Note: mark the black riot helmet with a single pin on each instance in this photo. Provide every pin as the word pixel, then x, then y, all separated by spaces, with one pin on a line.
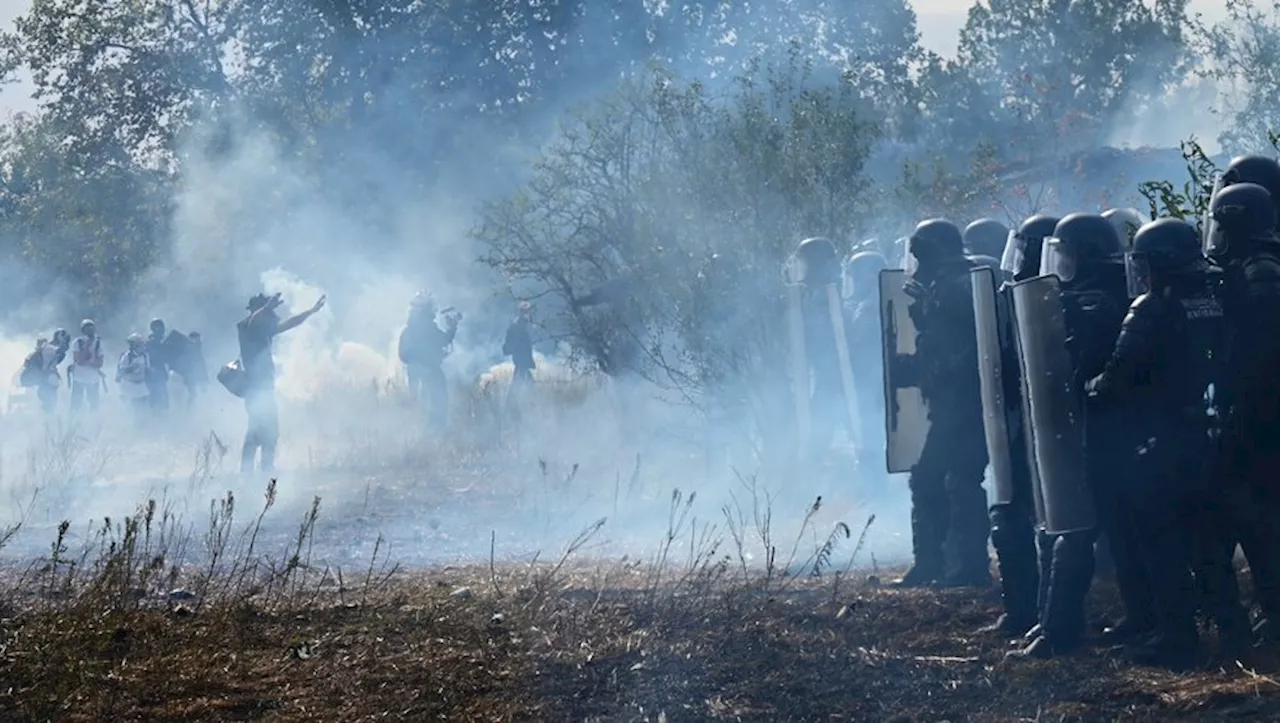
pixel 933 242
pixel 861 273
pixel 1239 214
pixel 1079 241
pixel 985 237
pixel 1126 222
pixel 1254 169
pixel 816 262
pixel 1021 256
pixel 1163 248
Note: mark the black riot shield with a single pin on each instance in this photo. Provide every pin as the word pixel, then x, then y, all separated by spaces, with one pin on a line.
pixel 991 376
pixel 906 413
pixel 1055 411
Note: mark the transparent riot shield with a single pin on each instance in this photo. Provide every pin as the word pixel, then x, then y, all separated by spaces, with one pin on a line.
pixel 835 305
pixel 906 412
pixel 1055 411
pixel 800 384
pixel 991 377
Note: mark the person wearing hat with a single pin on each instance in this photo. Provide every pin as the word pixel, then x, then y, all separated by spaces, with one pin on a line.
pixel 423 346
pixel 133 372
pixel 85 371
pixel 256 333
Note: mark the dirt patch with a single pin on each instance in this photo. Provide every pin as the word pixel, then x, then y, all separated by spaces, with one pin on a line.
pixel 590 644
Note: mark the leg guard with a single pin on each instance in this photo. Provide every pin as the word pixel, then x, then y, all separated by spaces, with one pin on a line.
pixel 1014 539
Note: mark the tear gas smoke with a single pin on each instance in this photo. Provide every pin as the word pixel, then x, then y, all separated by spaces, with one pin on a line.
pixel 253 215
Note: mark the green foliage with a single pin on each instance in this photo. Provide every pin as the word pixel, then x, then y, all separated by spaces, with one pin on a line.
pixel 1191 201
pixel 1062 71
pixel 1243 60
pixel 378 101
pixel 699 198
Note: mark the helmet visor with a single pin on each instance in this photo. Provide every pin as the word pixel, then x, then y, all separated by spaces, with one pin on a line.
pixel 1015 250
pixel 910 263
pixel 1055 261
pixel 1137 273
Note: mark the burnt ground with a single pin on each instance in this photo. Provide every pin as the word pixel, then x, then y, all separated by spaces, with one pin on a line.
pixel 305 621
pixel 535 643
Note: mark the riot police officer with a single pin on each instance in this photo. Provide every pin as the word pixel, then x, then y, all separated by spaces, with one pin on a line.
pixel 1084 253
pixel 1166 366
pixel 948 501
pixel 1243 239
pixel 1013 522
pixel 985 237
pixel 818 268
pixel 1021 255
pixel 1255 169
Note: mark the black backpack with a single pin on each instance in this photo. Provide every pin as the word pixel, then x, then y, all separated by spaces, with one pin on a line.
pixel 32 369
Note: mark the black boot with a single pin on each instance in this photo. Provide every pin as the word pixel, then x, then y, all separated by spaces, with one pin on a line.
pixel 928 530
pixel 970 528
pixel 1128 630
pixel 1015 544
pixel 920 576
pixel 1038 649
pixel 1070 578
pixel 1164 651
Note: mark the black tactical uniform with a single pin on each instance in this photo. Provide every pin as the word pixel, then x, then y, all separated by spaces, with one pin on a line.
pixel 948 501
pixel 1084 254
pixel 1247 247
pixel 1166 367
pixel 1013 525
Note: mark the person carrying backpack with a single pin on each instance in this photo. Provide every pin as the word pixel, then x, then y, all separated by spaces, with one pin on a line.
pixel 40 368
pixel 423 347
pixel 256 333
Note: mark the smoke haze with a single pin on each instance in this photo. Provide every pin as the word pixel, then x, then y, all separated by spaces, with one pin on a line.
pixel 386 208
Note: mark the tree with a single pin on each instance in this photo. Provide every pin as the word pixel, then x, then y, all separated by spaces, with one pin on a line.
pixel 95 228
pixel 1058 73
pixel 1243 54
pixel 120 79
pixel 697 199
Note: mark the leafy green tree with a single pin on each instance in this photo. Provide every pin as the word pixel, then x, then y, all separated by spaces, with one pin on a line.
pixel 1057 74
pixel 96 227
pixel 1243 54
pixel 697 199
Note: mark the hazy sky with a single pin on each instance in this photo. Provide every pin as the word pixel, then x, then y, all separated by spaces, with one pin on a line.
pixel 940 22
